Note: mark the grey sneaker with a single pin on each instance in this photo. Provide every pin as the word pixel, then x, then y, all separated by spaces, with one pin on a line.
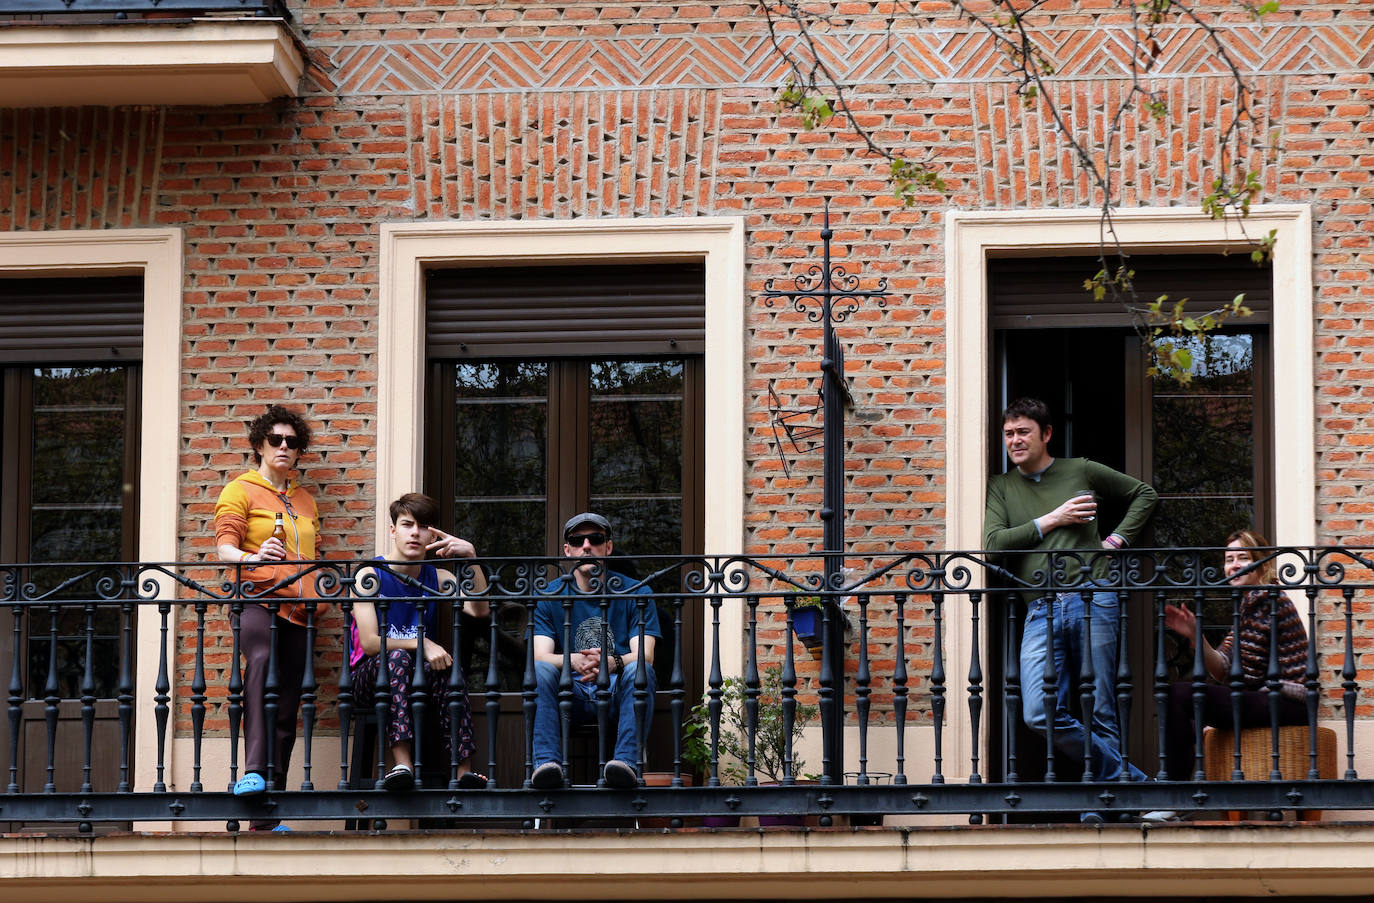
pixel 548 776
pixel 1159 816
pixel 621 775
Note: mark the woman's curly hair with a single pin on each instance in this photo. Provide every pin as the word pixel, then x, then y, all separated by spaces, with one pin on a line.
pixel 260 426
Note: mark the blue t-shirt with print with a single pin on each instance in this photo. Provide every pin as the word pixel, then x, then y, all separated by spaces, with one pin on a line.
pixel 623 613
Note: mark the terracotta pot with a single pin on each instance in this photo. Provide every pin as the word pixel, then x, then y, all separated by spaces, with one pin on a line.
pixel 660 779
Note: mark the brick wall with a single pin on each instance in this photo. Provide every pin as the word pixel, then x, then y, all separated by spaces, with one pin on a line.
pixel 505 110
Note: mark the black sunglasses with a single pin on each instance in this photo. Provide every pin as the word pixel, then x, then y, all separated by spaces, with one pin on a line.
pixel 292 442
pixel 595 539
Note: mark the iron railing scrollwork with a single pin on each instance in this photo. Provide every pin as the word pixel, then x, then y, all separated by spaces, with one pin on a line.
pixel 908 668
pixel 121 10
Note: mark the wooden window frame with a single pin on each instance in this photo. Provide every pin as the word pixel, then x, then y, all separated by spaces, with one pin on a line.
pixel 973 236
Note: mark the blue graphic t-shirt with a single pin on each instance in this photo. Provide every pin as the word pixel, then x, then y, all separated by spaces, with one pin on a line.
pixel 623 614
pixel 402 615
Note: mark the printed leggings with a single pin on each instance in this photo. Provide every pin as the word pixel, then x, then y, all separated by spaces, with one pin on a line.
pixel 400 670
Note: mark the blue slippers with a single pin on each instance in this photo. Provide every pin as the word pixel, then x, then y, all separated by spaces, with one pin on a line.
pixel 250 785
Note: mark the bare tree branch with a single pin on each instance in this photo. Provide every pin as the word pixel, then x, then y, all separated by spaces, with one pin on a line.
pixel 818 93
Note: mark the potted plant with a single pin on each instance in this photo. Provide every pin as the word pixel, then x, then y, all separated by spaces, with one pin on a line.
pixel 808 616
pixel 808 621
pixel 770 741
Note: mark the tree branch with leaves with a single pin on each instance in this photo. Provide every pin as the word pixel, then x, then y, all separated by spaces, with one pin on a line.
pixel 1019 29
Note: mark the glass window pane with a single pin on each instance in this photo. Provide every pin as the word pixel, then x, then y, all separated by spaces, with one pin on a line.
pixel 76 486
pixel 75 533
pixel 71 667
pixel 1221 363
pixel 1204 430
pixel 501 427
pixel 644 525
pixel 636 428
pixel 1204 443
pixel 636 470
pixel 78 437
pixel 1200 520
pixel 501 528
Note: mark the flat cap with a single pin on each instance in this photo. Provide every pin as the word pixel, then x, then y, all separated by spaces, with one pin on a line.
pixel 586 517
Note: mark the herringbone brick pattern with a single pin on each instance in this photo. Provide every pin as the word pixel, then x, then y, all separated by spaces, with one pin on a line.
pixel 507 156
pixel 78 168
pixel 444 59
pixel 1023 161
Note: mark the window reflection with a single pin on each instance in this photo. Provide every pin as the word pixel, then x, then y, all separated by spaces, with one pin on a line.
pixel 501 426
pixel 526 431
pixel 77 424
pixel 1204 463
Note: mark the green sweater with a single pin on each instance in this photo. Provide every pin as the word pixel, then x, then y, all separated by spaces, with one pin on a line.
pixel 1015 501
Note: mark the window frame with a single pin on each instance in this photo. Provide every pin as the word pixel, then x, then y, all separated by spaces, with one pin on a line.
pixel 157 255
pixel 971 236
pixel 408 248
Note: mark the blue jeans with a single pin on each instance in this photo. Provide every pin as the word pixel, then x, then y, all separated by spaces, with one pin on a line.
pixel 548 736
pixel 1071 636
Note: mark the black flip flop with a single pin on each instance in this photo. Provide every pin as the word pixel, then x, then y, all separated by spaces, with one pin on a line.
pixel 471 780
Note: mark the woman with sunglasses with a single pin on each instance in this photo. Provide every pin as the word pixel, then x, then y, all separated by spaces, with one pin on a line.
pixel 245 519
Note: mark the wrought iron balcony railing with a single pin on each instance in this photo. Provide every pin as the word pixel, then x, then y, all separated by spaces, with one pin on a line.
pixel 923 632
pixel 122 9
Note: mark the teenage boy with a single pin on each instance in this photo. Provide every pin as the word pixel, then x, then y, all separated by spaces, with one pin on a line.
pixel 406 582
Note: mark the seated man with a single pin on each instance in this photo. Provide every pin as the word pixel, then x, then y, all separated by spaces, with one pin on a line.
pixel 589 536
pixel 413 538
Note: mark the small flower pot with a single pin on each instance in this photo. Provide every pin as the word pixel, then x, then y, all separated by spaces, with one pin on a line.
pixel 807 623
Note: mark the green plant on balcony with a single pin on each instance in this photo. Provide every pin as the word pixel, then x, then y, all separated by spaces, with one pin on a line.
pixel 771 739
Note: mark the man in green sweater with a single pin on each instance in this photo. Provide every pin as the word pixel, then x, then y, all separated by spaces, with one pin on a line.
pixel 1048 505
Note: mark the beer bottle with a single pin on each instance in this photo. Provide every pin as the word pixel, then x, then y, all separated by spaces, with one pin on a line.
pixel 279 530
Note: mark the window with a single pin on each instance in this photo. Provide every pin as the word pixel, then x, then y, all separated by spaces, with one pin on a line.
pixel 69 464
pixel 525 454
pixel 73 500
pixel 413 254
pixel 555 390
pixel 601 410
pixel 1204 444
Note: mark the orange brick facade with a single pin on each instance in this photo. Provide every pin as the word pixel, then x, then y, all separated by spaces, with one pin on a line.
pixel 500 110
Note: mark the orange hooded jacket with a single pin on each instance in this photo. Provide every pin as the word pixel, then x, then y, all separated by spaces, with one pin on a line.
pixel 244 516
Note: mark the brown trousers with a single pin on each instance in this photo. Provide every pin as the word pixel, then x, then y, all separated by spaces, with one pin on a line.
pixel 292 657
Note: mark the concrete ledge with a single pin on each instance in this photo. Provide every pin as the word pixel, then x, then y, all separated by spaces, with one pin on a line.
pixel 205 62
pixel 1184 861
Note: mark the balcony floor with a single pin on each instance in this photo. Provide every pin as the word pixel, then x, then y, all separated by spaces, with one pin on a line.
pixel 1191 860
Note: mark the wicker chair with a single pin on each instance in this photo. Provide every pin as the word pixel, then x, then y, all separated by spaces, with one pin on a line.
pixel 1218 750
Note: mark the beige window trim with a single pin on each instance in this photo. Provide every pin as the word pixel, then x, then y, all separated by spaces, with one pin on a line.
pixel 407 248
pixel 972 236
pixel 157 255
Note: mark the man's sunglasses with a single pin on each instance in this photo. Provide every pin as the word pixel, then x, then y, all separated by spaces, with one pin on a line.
pixel 292 442
pixel 595 539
